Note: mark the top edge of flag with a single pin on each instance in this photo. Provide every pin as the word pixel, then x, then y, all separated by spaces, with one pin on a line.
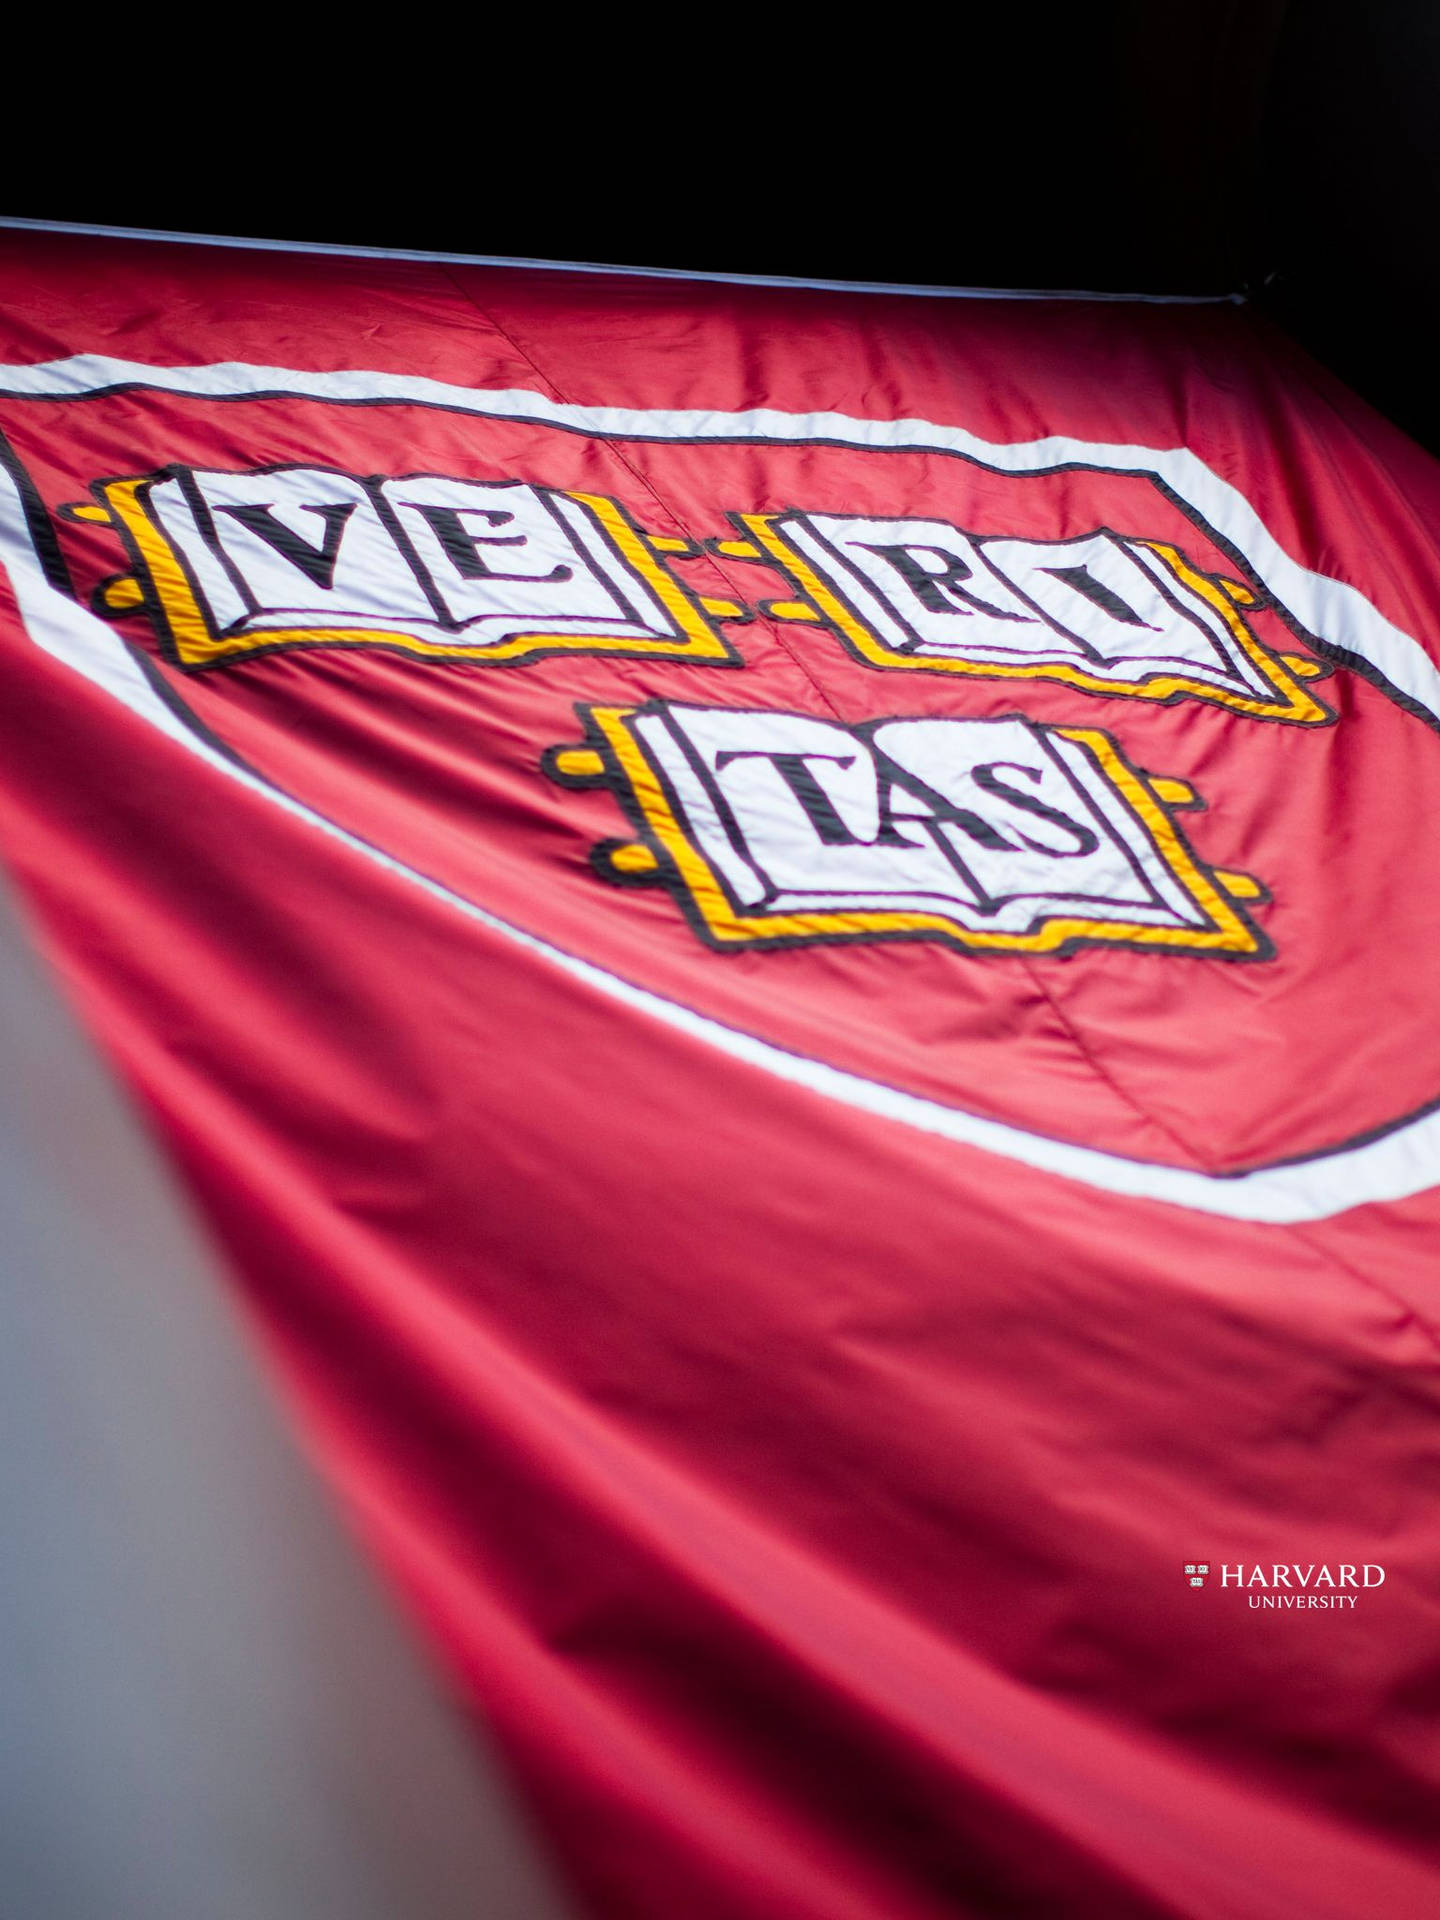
pixel 16 222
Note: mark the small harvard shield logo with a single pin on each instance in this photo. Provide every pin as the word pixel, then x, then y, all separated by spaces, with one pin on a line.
pixel 1195 1572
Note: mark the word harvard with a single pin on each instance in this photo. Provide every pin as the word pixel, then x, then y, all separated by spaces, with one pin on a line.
pixel 1280 1583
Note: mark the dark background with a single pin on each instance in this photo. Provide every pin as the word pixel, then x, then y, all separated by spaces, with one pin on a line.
pixel 1286 148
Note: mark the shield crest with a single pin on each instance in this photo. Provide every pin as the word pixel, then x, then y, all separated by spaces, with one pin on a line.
pixel 1032 789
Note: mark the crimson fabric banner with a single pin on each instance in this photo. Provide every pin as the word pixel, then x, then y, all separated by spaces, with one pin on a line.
pixel 791 939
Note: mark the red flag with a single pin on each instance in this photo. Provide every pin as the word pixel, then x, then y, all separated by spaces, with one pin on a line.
pixel 790 938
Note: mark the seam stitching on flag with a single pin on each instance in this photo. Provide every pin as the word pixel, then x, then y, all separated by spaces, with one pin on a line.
pixel 671 512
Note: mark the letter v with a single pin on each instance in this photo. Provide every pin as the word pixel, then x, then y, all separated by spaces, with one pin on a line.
pixel 316 563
